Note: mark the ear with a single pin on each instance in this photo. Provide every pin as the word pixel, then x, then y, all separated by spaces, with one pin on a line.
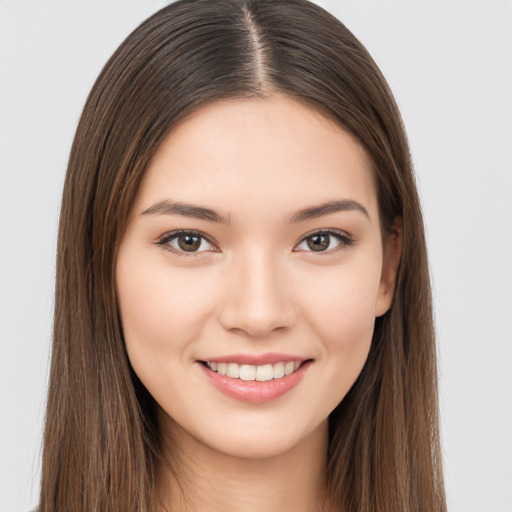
pixel 390 263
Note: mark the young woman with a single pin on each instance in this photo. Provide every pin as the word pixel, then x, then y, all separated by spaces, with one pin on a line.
pixel 243 313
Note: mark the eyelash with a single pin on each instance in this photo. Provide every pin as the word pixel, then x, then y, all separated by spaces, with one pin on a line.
pixel 343 239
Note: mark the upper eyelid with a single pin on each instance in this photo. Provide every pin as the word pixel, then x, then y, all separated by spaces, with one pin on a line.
pixel 172 234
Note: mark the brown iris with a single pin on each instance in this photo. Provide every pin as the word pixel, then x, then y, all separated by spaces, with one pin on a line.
pixel 188 242
pixel 318 242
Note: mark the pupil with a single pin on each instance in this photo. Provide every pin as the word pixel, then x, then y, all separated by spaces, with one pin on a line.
pixel 189 243
pixel 319 242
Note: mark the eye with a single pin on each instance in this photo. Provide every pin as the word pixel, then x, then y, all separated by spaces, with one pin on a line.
pixel 186 243
pixel 325 242
pixel 192 243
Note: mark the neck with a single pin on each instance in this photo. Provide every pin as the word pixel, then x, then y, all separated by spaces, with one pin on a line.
pixel 199 478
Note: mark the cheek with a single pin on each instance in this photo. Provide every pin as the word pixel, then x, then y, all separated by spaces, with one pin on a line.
pixel 343 318
pixel 342 302
pixel 159 313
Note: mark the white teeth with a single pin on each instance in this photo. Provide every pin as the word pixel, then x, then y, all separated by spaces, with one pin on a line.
pixel 265 372
pixel 288 368
pixel 278 370
pixel 233 371
pixel 260 373
pixel 247 372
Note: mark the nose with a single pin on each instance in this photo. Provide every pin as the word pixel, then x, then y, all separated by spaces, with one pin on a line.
pixel 257 297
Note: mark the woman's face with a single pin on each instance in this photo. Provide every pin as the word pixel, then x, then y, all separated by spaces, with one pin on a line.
pixel 251 273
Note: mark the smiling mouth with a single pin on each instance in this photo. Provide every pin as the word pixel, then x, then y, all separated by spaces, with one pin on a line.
pixel 260 373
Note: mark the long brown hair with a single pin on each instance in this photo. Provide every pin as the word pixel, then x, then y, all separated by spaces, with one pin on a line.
pixel 101 440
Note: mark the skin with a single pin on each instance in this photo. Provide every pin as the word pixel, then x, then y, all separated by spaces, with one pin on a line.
pixel 257 288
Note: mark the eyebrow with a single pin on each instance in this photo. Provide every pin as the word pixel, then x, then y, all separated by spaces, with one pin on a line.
pixel 343 205
pixel 167 207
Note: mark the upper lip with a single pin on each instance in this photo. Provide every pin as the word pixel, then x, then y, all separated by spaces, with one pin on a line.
pixel 256 360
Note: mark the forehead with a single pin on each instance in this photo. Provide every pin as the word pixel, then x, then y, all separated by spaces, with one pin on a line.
pixel 256 156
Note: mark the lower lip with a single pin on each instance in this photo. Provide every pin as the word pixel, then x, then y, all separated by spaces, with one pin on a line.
pixel 254 391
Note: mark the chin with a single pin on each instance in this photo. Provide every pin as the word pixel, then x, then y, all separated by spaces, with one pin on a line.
pixel 256 440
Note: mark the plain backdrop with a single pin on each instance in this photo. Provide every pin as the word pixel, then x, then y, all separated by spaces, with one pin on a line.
pixel 449 63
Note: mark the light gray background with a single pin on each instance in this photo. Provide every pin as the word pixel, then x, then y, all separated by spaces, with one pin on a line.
pixel 449 63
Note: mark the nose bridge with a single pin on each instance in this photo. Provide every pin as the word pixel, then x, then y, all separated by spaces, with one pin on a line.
pixel 257 298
